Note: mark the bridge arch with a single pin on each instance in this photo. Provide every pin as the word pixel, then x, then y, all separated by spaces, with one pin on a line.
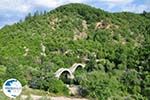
pixel 74 67
pixel 59 72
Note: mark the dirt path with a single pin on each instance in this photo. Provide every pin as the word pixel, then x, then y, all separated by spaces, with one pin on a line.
pixel 36 97
pixel 66 98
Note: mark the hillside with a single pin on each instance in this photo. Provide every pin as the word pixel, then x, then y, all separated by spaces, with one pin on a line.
pixel 115 48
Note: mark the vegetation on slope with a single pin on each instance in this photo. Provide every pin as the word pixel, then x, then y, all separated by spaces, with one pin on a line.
pixel 32 50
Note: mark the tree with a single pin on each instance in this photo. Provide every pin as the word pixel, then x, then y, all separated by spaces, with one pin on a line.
pixel 91 65
pixel 132 81
pixel 99 86
pixel 2 74
pixel 14 70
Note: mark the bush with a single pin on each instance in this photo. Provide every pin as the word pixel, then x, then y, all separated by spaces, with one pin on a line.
pixel 132 81
pixel 58 87
pixel 14 70
pixel 146 92
pixel 2 74
pixel 50 84
pixel 100 86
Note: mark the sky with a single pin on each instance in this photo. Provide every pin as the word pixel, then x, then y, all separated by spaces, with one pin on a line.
pixel 11 11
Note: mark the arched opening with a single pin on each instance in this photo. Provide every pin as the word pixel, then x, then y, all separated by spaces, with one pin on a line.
pixel 78 69
pixel 65 77
pixel 78 73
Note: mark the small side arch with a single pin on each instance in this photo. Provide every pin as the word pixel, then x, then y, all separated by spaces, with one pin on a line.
pixel 75 66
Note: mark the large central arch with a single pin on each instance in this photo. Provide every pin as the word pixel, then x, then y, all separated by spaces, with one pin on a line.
pixel 59 72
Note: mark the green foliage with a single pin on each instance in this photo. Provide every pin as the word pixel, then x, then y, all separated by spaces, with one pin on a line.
pixel 116 56
pixel 57 86
pixel 132 81
pixel 101 86
pixel 2 73
pixel 91 65
pixel 14 70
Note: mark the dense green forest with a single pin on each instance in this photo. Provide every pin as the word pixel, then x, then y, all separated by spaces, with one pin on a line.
pixel 34 49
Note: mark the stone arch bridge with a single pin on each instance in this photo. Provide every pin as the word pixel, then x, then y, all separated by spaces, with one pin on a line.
pixel 69 71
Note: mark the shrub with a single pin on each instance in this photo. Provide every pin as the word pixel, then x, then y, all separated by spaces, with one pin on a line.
pixel 100 86
pixel 57 86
